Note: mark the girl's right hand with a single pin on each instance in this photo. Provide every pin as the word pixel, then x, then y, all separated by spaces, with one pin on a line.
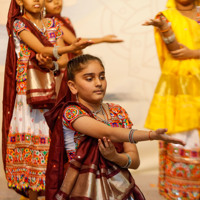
pixel 160 22
pixel 80 44
pixel 107 149
pixel 159 134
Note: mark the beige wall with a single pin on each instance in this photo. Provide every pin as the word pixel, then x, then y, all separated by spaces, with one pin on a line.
pixel 132 67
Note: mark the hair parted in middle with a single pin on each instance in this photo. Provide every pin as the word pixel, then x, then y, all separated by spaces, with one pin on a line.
pixel 78 63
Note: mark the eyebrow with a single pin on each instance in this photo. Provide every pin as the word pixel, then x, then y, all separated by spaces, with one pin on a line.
pixel 90 74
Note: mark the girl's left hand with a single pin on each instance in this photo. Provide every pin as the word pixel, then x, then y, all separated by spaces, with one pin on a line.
pixel 44 61
pixel 111 39
pixel 183 53
pixel 159 134
pixel 107 149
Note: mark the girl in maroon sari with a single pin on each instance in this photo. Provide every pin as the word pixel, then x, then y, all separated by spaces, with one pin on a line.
pixel 82 132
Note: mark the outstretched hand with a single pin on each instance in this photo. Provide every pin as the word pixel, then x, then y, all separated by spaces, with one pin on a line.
pixel 159 134
pixel 107 148
pixel 80 44
pixel 160 22
pixel 111 39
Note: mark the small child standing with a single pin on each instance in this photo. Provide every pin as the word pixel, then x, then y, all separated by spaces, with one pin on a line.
pixel 88 127
pixel 25 137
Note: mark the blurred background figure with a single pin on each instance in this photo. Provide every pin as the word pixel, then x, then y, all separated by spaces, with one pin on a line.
pixel 176 102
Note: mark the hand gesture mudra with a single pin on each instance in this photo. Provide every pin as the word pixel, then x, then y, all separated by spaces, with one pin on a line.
pixel 160 22
pixel 159 134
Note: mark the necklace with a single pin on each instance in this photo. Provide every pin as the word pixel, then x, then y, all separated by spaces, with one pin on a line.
pixel 43 29
pixel 98 111
pixel 105 120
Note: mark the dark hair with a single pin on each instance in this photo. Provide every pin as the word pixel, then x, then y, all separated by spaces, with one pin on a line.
pixel 78 63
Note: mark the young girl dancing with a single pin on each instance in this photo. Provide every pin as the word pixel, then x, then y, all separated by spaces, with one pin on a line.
pixel 25 133
pixel 54 9
pixel 95 168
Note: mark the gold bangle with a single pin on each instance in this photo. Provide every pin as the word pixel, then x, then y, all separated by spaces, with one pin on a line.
pixel 150 135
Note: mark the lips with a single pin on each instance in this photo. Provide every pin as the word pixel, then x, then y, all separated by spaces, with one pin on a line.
pixel 36 6
pixel 98 91
pixel 58 7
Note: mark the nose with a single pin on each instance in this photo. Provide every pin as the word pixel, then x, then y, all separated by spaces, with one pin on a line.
pixel 98 82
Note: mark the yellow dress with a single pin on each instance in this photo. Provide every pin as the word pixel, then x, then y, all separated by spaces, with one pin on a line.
pixel 176 102
pixel 176 106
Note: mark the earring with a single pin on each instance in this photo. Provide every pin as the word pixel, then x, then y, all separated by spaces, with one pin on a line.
pixel 77 98
pixel 44 12
pixel 21 10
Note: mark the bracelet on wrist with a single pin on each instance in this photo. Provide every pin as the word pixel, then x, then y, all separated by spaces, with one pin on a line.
pixel 170 39
pixel 131 132
pixel 55 52
pixel 166 29
pixel 150 135
pixel 55 70
pixel 128 162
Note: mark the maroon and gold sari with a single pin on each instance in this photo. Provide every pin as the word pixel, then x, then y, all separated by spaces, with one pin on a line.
pixel 89 175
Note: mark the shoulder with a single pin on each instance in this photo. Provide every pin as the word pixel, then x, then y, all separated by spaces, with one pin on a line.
pixel 72 112
pixel 17 25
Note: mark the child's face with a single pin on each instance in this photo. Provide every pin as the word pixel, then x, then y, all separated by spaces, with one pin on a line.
pixel 53 6
pixel 90 84
pixel 31 6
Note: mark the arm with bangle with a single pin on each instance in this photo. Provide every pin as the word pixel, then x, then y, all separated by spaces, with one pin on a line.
pixel 166 32
pixel 176 49
pixel 54 65
pixel 106 134
pixel 99 130
pixel 127 159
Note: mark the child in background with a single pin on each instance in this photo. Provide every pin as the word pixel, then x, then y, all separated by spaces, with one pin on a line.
pixel 25 136
pixel 54 9
pixel 88 126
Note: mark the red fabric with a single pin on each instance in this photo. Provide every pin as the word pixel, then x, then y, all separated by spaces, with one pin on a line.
pixel 9 79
